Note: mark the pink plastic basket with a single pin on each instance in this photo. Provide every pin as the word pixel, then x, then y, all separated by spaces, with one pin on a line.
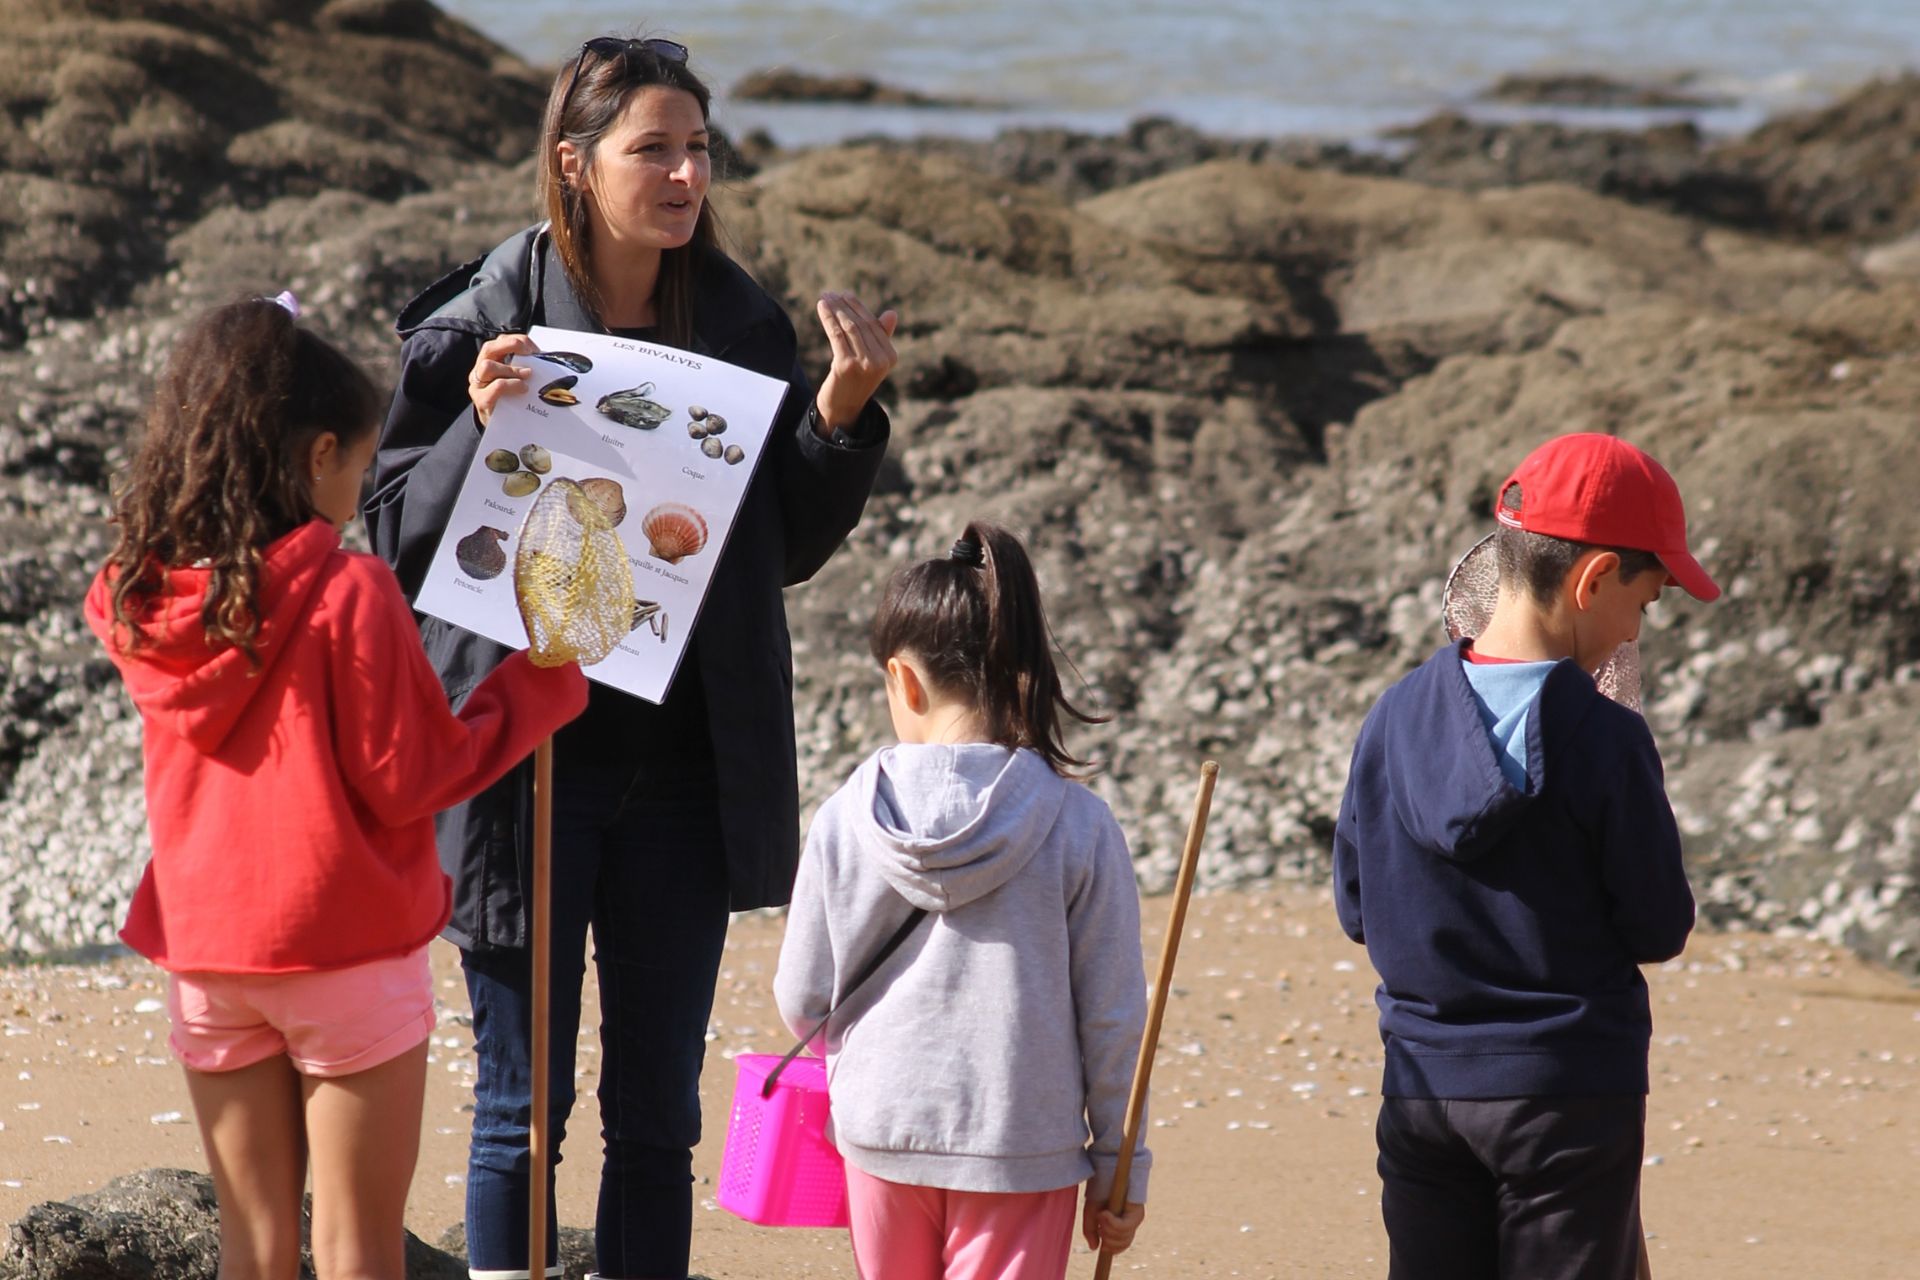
pixel 779 1169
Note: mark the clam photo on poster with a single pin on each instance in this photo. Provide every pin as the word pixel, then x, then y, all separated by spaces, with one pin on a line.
pixel 662 441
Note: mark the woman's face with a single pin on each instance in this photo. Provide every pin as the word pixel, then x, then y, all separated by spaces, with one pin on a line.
pixel 650 172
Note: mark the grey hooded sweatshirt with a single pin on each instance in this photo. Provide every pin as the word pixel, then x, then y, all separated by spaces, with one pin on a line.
pixel 995 1049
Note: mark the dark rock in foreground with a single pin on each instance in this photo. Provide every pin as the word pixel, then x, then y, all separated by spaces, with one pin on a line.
pixel 158 1224
pixel 163 1224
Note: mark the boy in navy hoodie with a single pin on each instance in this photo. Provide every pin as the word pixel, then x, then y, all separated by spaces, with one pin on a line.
pixel 1506 852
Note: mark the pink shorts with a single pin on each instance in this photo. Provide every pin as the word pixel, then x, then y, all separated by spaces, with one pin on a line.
pixel 330 1022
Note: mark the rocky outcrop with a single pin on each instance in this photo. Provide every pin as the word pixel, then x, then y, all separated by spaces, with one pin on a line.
pixel 1667 167
pixel 784 84
pixel 1248 411
pixel 1852 169
pixel 1586 89
pixel 1075 165
pixel 1239 569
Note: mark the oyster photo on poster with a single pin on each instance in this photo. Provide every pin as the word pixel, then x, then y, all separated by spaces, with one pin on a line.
pixel 663 441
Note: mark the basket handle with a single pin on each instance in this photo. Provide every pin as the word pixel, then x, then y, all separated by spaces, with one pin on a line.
pixel 880 957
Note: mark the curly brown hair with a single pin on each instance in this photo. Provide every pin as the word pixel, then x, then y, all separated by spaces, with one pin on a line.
pixel 221 470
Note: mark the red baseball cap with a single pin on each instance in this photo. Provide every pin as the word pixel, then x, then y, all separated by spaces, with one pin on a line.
pixel 1600 490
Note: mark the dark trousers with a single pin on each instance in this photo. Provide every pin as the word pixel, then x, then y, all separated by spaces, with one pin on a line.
pixel 638 862
pixel 1512 1188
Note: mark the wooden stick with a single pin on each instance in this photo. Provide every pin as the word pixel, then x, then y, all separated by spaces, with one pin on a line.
pixel 1157 1007
pixel 538 914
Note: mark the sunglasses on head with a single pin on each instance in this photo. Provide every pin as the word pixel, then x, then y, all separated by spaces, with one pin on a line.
pixel 616 47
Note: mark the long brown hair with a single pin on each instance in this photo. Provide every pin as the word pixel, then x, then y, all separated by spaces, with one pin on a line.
pixel 601 92
pixel 221 470
pixel 974 619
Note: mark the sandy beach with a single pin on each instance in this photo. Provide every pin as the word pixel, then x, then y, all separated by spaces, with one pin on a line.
pixel 1783 1128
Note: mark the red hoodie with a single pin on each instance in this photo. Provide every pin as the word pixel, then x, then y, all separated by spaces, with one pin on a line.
pixel 291 808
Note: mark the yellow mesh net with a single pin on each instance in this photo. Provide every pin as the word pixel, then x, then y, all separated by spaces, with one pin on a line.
pixel 571 575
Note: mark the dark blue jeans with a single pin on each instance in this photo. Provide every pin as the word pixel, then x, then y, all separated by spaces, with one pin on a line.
pixel 640 862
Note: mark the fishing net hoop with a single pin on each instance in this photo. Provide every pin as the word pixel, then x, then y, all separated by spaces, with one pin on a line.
pixel 1466 606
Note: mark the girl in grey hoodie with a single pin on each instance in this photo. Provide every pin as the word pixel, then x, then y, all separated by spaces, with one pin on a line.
pixel 981 1075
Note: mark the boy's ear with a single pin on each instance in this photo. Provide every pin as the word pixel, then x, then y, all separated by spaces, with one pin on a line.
pixel 1585 578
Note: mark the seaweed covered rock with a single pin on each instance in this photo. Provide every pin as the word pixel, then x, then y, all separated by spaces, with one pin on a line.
pixel 125 120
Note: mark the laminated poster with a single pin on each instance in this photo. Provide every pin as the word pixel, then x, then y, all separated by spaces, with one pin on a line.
pixel 663 439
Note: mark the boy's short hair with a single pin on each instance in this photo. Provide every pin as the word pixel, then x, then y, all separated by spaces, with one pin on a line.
pixel 1538 563
pixel 1585 492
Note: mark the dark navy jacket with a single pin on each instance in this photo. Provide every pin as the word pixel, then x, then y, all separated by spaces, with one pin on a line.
pixel 1508 926
pixel 804 498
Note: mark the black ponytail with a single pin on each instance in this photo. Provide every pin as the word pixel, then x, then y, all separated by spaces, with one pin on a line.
pixel 974 620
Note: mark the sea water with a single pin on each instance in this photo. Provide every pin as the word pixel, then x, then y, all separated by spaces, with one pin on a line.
pixel 1328 68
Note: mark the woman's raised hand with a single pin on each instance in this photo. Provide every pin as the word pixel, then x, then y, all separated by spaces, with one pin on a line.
pixel 863 356
pixel 492 377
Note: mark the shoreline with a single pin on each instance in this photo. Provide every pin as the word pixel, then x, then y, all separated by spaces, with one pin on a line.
pixel 1330 77
pixel 1726 111
pixel 815 125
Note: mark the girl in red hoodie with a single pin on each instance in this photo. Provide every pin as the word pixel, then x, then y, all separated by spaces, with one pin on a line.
pixel 297 747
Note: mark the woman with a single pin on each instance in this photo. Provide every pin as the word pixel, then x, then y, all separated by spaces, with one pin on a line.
pixel 665 817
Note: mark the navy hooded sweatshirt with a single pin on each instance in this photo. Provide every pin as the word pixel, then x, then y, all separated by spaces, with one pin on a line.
pixel 1508 925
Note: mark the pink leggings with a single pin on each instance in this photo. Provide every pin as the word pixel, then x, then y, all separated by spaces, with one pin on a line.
pixel 925 1233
